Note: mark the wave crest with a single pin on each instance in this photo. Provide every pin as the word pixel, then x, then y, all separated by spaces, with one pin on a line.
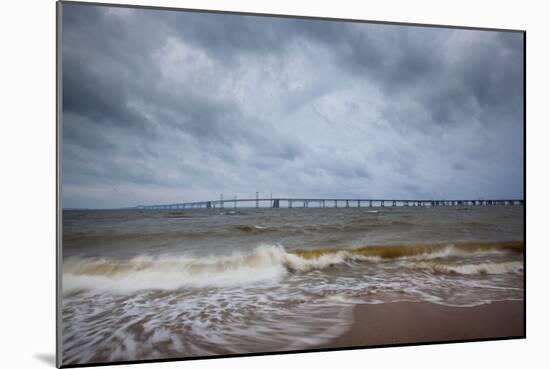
pixel 266 263
pixel 469 269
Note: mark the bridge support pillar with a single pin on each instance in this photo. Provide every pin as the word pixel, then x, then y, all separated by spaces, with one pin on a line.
pixel 276 204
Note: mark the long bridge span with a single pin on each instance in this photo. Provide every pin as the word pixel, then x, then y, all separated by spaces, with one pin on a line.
pixel 283 202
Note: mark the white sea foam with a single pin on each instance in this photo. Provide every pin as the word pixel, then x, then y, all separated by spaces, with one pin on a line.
pixel 263 264
pixel 469 269
pixel 230 320
pixel 489 268
pixel 169 272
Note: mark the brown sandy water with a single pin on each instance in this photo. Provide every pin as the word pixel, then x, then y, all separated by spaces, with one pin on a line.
pixel 177 283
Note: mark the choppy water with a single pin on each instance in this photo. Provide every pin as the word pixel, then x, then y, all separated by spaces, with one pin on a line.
pixel 146 284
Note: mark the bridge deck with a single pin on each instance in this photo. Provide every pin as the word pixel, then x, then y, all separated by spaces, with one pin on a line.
pixel 282 202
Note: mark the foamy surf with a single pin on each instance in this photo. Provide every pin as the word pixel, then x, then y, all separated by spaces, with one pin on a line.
pixel 185 324
pixel 170 272
pixel 267 263
pixel 470 269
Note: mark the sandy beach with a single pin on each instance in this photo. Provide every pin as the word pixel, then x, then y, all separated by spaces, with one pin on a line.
pixel 417 322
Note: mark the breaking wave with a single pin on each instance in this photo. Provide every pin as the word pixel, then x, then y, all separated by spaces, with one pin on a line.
pixel 269 263
pixel 469 269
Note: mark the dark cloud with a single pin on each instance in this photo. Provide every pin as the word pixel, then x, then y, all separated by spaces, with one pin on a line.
pixel 162 106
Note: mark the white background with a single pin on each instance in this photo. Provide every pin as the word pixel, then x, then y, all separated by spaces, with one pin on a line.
pixel 27 180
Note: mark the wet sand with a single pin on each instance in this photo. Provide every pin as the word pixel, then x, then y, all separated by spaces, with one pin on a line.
pixel 416 322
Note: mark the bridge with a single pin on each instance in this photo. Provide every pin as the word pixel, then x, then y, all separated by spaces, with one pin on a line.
pixel 276 203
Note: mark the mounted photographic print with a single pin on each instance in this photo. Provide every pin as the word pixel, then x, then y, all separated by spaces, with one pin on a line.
pixel 241 184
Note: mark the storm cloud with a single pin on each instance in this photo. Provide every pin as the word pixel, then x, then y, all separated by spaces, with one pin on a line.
pixel 162 106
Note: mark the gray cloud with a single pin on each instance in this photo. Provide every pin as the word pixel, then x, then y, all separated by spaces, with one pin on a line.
pixel 163 106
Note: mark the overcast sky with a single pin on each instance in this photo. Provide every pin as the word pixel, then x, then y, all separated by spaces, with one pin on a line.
pixel 163 107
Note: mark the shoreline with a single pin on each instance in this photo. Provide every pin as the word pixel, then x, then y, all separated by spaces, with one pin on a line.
pixel 421 322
